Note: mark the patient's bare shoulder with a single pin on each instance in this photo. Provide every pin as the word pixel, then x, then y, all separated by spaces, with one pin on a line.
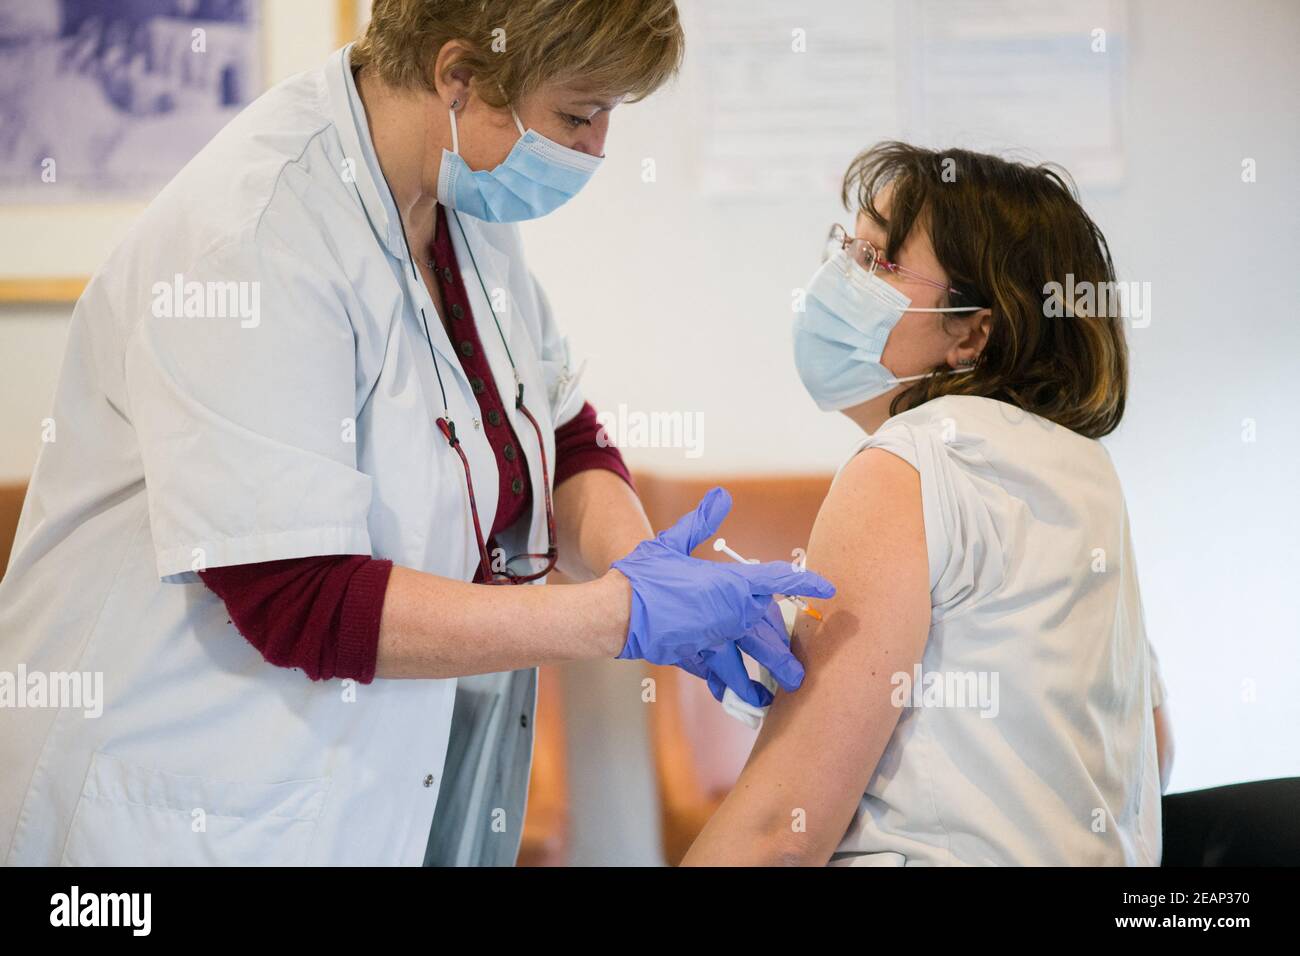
pixel 869 540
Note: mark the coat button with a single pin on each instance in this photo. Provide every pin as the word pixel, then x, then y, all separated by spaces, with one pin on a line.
pixel 446 273
pixel 517 486
pixel 523 720
pixel 494 417
pixel 467 349
pixel 476 383
pixel 456 310
pixel 509 452
pixel 428 780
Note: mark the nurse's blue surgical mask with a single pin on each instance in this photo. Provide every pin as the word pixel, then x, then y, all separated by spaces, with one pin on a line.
pixel 537 177
pixel 840 336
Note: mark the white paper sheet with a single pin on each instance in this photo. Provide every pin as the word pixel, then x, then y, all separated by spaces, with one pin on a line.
pixel 795 90
pixel 787 110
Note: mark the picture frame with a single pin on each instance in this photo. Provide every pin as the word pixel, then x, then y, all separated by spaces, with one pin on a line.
pixel 103 222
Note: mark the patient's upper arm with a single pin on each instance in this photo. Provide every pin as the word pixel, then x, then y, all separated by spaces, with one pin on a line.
pixel 820 744
pixel 1164 744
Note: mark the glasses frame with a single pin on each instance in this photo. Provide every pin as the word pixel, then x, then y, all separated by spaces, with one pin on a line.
pixel 868 257
pixel 448 429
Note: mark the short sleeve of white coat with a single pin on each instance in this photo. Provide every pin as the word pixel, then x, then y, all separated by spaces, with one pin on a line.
pixel 561 378
pixel 963 547
pixel 245 422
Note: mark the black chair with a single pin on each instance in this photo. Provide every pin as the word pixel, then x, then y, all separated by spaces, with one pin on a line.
pixel 1245 824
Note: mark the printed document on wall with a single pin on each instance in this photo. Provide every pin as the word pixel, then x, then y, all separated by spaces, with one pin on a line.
pixel 1041 78
pixel 793 91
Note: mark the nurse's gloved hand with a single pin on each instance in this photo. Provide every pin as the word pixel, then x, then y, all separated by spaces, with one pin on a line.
pixel 682 606
pixel 768 643
pixel 724 669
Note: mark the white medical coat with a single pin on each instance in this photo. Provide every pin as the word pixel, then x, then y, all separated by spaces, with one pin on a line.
pixel 304 426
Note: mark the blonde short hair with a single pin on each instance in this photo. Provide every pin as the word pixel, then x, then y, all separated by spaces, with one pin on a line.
pixel 625 48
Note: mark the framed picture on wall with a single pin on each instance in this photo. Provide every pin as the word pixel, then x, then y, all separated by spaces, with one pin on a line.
pixel 101 104
pixel 108 100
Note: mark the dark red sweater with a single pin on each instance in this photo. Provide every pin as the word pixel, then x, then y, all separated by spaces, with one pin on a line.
pixel 321 614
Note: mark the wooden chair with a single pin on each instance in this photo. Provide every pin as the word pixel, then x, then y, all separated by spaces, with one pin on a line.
pixel 11 506
pixel 699 751
pixel 546 821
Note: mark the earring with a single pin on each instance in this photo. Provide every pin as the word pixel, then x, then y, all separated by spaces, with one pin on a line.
pixel 965 363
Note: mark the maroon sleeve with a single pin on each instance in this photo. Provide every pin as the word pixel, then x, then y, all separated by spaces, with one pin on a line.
pixel 581 444
pixel 320 614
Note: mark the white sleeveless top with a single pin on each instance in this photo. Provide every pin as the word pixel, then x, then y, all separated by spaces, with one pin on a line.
pixel 1027 738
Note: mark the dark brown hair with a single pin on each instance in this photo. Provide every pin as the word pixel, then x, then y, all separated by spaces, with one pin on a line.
pixel 1005 232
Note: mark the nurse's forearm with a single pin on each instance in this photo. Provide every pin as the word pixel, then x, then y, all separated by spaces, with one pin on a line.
pixel 438 627
pixel 598 519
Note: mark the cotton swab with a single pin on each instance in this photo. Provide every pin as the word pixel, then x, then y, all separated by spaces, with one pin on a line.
pixel 720 544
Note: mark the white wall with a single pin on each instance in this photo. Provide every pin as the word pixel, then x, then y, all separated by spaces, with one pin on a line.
pixel 682 304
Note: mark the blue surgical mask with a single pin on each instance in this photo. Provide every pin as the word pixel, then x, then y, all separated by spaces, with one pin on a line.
pixel 538 176
pixel 841 334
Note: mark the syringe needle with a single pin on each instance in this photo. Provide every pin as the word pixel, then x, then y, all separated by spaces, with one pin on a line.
pixel 720 544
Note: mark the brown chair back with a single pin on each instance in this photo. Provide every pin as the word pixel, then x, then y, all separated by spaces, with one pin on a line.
pixel 546 821
pixel 11 506
pixel 699 750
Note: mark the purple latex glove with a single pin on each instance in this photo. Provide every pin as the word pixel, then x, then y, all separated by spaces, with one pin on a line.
pixel 682 606
pixel 767 642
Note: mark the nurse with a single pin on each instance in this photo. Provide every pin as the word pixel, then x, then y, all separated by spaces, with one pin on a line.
pixel 315 424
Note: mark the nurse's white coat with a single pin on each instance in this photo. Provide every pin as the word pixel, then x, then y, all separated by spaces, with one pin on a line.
pixel 303 427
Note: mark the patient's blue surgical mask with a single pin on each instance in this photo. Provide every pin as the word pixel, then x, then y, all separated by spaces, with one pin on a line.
pixel 841 334
pixel 538 176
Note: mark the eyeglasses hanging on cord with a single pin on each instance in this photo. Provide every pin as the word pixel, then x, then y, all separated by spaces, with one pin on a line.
pixel 528 566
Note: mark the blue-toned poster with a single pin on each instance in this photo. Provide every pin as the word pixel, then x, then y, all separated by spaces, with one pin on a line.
pixel 111 98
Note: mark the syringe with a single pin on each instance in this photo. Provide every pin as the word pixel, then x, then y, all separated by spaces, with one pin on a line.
pixel 720 544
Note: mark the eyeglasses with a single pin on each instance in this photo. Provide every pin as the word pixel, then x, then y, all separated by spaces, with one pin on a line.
pixel 522 568
pixel 868 257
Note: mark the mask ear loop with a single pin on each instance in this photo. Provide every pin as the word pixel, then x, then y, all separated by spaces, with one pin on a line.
pixel 455 136
pixel 518 125
pixel 965 365
pixel 455 133
pixel 916 378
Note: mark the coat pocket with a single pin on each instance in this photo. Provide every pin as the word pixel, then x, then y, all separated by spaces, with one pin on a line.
pixel 561 382
pixel 129 815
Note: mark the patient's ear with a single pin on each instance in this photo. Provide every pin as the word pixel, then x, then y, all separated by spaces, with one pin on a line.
pixel 971 334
